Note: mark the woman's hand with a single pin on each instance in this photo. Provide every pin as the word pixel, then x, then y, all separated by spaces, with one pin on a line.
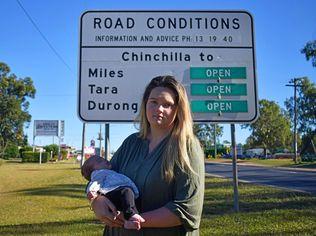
pixel 106 212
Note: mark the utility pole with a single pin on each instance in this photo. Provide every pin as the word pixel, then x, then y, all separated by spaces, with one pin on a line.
pixel 293 83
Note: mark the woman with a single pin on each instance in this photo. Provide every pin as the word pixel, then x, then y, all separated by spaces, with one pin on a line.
pixel 166 163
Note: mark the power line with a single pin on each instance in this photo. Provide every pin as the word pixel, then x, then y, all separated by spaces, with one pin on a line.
pixel 43 36
pixel 56 95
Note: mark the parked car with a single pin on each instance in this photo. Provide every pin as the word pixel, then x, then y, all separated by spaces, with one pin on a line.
pixel 257 153
pixel 229 156
pixel 283 155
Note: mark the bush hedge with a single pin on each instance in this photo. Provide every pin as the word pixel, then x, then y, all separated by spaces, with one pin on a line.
pixel 29 156
pixel 24 149
pixel 63 154
pixel 52 148
pixel 221 150
pixel 309 157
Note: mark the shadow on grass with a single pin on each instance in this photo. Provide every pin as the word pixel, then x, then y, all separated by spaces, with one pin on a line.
pixel 215 185
pixel 305 165
pixel 13 161
pixel 50 169
pixel 86 206
pixel 60 190
pixel 258 199
pixel 73 227
pixel 62 162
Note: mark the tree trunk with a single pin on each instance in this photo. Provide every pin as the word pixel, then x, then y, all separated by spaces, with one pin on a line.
pixel 265 152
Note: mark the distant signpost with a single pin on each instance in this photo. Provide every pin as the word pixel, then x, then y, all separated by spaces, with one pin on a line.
pixel 49 128
pixel 210 52
pixel 46 128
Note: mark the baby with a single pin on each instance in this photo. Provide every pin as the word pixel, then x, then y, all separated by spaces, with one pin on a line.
pixel 118 188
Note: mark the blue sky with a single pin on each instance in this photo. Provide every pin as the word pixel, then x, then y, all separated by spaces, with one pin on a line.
pixel 281 29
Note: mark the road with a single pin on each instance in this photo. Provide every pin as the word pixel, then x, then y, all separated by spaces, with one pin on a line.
pixel 293 179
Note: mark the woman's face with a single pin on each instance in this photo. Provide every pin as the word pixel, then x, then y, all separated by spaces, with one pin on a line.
pixel 161 108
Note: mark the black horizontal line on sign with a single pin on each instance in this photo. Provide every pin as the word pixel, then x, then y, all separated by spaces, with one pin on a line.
pixel 164 47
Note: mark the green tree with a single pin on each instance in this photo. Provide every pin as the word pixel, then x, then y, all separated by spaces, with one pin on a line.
pixel 272 129
pixel 13 107
pixel 205 133
pixel 308 144
pixel 52 148
pixel 310 51
pixel 12 151
pixel 250 143
pixel 305 105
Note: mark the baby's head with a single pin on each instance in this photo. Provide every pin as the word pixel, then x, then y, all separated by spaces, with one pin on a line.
pixel 94 163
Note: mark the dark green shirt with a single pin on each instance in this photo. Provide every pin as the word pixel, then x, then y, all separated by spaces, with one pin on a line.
pixel 183 196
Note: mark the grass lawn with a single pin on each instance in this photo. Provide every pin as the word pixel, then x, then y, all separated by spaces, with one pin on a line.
pixel 48 199
pixel 272 162
pixel 281 163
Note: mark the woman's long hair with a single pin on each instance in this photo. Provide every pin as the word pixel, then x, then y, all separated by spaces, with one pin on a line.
pixel 182 140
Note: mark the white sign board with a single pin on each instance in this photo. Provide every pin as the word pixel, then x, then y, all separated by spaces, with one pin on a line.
pixel 45 128
pixel 210 52
pixel 62 128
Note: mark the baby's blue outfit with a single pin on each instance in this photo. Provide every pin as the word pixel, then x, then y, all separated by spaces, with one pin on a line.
pixel 105 181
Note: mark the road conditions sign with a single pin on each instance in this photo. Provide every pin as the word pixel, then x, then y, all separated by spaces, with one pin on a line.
pixel 210 52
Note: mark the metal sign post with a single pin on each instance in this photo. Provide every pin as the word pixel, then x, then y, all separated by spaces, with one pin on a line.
pixel 40 157
pixel 100 141
pixel 82 144
pixel 107 142
pixel 235 170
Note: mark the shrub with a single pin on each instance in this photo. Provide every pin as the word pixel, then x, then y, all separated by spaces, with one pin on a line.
pixel 52 148
pixel 53 159
pixel 29 156
pixel 12 151
pixel 23 149
pixel 209 152
pixel 309 157
pixel 63 154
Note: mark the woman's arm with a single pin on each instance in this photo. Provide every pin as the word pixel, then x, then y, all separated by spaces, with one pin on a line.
pixel 160 218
